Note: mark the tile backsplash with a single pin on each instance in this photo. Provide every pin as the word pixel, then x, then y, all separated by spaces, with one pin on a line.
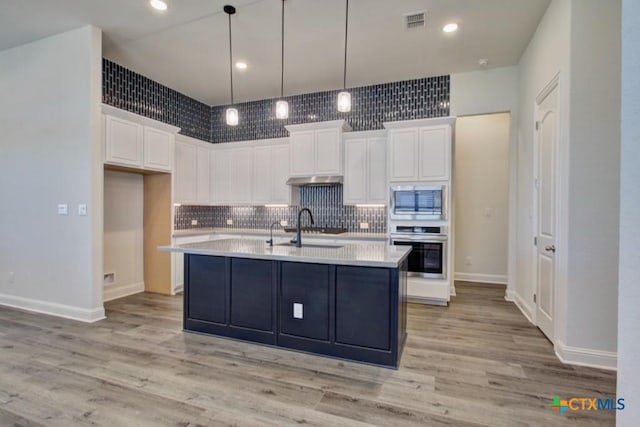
pixel 324 202
pixel 371 106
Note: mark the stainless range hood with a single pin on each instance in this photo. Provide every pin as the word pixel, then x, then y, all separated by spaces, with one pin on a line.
pixel 317 180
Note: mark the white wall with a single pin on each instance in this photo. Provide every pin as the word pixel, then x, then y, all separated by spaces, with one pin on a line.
pixel 579 40
pixel 123 233
pixel 494 90
pixel 594 179
pixel 50 154
pixel 481 192
pixel 629 272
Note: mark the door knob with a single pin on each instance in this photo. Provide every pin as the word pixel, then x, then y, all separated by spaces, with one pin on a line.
pixel 551 248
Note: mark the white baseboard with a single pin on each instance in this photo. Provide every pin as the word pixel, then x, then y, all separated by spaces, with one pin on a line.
pixel 499 279
pixel 510 296
pixel 427 301
pixel 453 288
pixel 586 356
pixel 53 308
pixel 115 292
pixel 525 308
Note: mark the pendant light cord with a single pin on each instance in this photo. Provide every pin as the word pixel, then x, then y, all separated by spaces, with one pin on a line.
pixel 231 59
pixel 346 33
pixel 282 55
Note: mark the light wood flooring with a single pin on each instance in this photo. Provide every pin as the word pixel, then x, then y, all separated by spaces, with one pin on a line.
pixel 476 362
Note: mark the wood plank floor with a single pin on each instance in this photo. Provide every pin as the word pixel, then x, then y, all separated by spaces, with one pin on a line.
pixel 476 362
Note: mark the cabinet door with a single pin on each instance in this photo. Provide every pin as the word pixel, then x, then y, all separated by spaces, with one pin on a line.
pixel 377 190
pixel 158 149
pixel 203 178
pixel 280 191
pixel 123 142
pixel 262 170
pixel 328 152
pixel 435 153
pixel 185 179
pixel 355 173
pixel 402 155
pixel 222 176
pixel 302 153
pixel 241 172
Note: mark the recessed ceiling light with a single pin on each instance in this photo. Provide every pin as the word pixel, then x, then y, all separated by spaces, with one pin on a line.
pixel 241 65
pixel 450 28
pixel 158 4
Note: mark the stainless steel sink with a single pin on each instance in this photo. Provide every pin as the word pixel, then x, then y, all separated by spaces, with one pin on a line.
pixel 310 245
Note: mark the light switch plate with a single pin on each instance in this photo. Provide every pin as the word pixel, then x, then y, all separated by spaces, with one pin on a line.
pixel 194 222
pixel 82 209
pixel 284 223
pixel 63 209
pixel 297 310
pixel 364 225
pixel 229 222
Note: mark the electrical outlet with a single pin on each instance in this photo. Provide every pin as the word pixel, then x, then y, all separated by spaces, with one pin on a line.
pixel 63 209
pixel 297 310
pixel 467 260
pixel 194 222
pixel 229 222
pixel 364 225
pixel 12 277
pixel 82 209
pixel 284 223
pixel 109 278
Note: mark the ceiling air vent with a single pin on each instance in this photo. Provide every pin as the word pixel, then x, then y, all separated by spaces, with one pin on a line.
pixel 415 20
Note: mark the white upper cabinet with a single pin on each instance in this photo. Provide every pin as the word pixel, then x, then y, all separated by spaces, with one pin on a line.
pixel 420 150
pixel 222 176
pixel 240 162
pixel 137 142
pixel 435 153
pixel 270 174
pixel 185 173
pixel 123 142
pixel 158 149
pixel 365 176
pixel 316 148
pixel 192 178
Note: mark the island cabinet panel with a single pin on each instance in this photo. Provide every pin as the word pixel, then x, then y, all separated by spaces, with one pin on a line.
pixel 252 301
pixel 309 286
pixel 363 305
pixel 207 290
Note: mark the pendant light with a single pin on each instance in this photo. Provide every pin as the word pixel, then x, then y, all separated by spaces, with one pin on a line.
pixel 231 113
pixel 282 106
pixel 344 97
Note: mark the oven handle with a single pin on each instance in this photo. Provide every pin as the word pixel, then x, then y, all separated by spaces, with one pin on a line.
pixel 409 238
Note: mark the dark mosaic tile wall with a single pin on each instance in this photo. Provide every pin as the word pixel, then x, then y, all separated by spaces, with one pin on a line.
pixel 324 202
pixel 122 88
pixel 371 106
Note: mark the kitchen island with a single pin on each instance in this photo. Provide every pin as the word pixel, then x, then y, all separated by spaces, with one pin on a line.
pixel 344 301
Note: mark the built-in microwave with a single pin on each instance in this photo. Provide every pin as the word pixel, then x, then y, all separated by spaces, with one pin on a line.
pixel 418 202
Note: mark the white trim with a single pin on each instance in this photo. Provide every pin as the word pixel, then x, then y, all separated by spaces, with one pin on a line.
pixel 523 306
pixel 329 124
pixel 136 118
pixel 115 292
pixel 364 134
pixel 498 279
pixel 401 124
pixel 586 356
pixel 52 308
pixel 509 295
pixel 428 301
pixel 452 288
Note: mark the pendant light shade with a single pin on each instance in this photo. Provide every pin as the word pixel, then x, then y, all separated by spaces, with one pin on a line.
pixel 231 115
pixel 282 109
pixel 344 97
pixel 282 106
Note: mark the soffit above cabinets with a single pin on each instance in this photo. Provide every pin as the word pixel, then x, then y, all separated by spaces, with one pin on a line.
pixel 186 47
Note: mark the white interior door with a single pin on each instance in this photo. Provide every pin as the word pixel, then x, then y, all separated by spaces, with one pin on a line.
pixel 547 140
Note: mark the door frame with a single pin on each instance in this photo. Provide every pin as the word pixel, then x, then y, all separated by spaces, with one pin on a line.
pixel 561 206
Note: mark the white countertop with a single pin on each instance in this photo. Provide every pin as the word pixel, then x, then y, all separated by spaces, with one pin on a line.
pixel 380 237
pixel 362 254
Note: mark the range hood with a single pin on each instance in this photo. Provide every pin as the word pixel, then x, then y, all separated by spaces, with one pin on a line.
pixel 316 180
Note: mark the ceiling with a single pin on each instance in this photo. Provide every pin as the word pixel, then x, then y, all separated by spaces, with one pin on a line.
pixel 186 47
